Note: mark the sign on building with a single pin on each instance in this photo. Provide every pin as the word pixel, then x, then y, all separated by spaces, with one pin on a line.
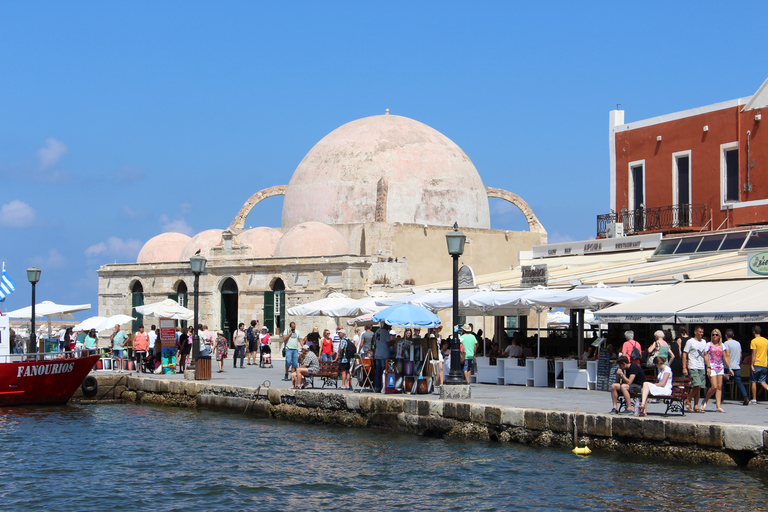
pixel 534 275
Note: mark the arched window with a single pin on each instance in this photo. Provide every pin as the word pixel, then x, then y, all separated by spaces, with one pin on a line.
pixel 137 299
pixel 228 307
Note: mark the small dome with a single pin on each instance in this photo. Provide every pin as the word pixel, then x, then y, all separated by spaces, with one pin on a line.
pixel 202 241
pixel 262 240
pixel 311 239
pixel 162 248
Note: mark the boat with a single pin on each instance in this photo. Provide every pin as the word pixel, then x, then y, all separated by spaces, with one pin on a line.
pixel 25 380
pixel 40 378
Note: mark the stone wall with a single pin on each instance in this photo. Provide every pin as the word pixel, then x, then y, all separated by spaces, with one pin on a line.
pixel 665 438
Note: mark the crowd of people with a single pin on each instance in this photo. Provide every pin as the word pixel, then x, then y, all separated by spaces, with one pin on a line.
pixel 707 362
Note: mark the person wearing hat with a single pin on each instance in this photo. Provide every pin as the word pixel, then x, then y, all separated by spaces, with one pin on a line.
pixel 469 342
pixel 309 366
pixel 263 343
pixel 341 358
pixel 382 342
pixel 221 349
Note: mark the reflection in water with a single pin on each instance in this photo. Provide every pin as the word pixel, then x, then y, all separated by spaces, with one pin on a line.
pixel 125 457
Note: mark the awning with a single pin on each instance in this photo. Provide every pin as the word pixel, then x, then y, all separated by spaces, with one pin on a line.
pixel 663 306
pixel 746 305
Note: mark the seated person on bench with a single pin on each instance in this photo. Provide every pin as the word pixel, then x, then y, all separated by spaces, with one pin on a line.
pixel 663 386
pixel 309 366
pixel 630 379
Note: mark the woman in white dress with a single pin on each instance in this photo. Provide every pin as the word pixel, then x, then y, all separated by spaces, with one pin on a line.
pixel 662 387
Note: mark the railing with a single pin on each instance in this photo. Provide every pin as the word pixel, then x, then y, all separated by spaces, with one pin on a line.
pixel 677 217
pixel 42 356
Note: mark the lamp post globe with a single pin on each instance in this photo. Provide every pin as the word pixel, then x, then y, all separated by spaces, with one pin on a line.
pixel 455 240
pixel 33 276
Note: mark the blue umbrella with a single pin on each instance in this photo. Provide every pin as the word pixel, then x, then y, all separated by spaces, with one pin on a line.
pixel 407 315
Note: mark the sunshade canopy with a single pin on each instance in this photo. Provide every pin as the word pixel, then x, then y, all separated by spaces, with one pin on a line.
pixel 49 309
pixel 167 308
pixel 407 315
pixel 322 307
pixel 663 306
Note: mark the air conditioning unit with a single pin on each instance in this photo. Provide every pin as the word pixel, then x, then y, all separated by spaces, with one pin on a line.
pixel 614 229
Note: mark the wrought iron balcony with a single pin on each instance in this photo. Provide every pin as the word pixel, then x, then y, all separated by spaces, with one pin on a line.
pixel 665 219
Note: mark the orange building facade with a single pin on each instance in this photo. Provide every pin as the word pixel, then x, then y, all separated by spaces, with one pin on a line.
pixel 700 169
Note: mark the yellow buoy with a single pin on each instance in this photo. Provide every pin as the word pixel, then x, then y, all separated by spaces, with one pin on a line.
pixel 584 450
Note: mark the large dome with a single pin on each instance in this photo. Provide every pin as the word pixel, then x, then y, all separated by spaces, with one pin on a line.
pixel 262 240
pixel 202 242
pixel 427 178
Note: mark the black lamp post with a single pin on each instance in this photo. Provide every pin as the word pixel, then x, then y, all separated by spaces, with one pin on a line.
pixel 33 275
pixel 198 267
pixel 455 240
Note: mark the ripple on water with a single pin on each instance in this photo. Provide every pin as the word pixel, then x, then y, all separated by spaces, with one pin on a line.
pixel 126 457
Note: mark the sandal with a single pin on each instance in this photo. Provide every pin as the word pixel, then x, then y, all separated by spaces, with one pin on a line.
pixel 720 410
pixel 704 407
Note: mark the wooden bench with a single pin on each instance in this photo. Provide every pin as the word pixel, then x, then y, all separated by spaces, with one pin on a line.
pixel 681 389
pixel 328 372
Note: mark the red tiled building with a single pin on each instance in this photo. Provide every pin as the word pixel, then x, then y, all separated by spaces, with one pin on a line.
pixel 699 169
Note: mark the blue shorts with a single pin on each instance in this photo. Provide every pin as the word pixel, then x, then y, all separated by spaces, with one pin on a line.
pixel 468 365
pixel 292 357
pixel 759 374
pixel 117 352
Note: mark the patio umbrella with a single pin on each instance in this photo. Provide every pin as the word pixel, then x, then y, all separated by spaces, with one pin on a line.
pixel 358 307
pixel 167 308
pixel 407 315
pixel 49 310
pixel 322 307
pixel 101 323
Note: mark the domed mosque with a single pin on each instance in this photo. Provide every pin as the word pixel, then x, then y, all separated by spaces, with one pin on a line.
pixel 366 209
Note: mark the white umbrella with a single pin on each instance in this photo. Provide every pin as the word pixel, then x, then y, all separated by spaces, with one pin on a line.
pixel 167 308
pixel 358 307
pixel 101 323
pixel 322 307
pixel 49 310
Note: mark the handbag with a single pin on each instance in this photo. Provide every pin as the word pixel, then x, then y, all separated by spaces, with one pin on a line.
pixel 283 351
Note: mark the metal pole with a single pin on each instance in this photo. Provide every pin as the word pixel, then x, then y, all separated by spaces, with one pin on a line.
pixel 456 376
pixel 32 335
pixel 195 336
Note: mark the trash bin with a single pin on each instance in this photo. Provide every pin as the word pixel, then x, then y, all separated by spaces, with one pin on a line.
pixel 203 368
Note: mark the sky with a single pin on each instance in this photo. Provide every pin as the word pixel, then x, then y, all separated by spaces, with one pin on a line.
pixel 123 120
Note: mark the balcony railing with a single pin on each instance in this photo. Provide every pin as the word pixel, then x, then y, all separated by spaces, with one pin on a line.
pixel 678 217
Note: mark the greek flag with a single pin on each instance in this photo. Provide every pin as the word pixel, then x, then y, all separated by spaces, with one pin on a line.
pixel 6 285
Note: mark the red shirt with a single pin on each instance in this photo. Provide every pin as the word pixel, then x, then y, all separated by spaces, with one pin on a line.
pixel 140 341
pixel 327 346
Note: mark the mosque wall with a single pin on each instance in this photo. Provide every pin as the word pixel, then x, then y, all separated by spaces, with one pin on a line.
pixel 486 250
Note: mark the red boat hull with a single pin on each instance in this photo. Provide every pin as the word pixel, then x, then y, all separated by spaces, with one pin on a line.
pixel 53 381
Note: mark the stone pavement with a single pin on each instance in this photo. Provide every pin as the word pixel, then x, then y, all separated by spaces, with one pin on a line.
pixel 570 400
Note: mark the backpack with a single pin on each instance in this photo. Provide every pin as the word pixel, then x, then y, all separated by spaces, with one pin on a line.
pixel 350 350
pixel 635 355
pixel 249 334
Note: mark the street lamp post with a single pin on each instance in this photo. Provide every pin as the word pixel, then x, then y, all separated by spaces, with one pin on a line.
pixel 455 240
pixel 33 275
pixel 198 267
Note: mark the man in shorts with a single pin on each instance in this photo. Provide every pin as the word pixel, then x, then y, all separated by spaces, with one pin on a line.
pixel 118 342
pixel 309 366
pixel 759 348
pixel 695 364
pixel 629 379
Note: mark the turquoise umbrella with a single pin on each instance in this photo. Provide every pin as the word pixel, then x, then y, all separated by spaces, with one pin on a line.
pixel 407 315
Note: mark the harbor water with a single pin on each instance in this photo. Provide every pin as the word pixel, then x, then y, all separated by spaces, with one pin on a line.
pixel 127 457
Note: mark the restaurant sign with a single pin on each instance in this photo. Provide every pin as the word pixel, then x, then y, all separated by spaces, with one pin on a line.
pixel 758 264
pixel 534 275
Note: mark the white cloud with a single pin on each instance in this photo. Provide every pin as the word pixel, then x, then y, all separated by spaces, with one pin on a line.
pixel 52 152
pixel 17 214
pixel 177 225
pixel 53 260
pixel 115 246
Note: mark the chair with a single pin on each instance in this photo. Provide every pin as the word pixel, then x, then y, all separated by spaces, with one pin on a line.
pixel 363 372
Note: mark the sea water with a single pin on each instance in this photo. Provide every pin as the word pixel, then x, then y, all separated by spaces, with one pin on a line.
pixel 126 457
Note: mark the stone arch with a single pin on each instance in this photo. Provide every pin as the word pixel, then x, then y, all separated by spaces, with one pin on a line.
pixel 533 223
pixel 238 223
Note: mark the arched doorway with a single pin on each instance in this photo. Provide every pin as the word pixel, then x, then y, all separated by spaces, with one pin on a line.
pixel 137 299
pixel 182 297
pixel 228 307
pixel 274 307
